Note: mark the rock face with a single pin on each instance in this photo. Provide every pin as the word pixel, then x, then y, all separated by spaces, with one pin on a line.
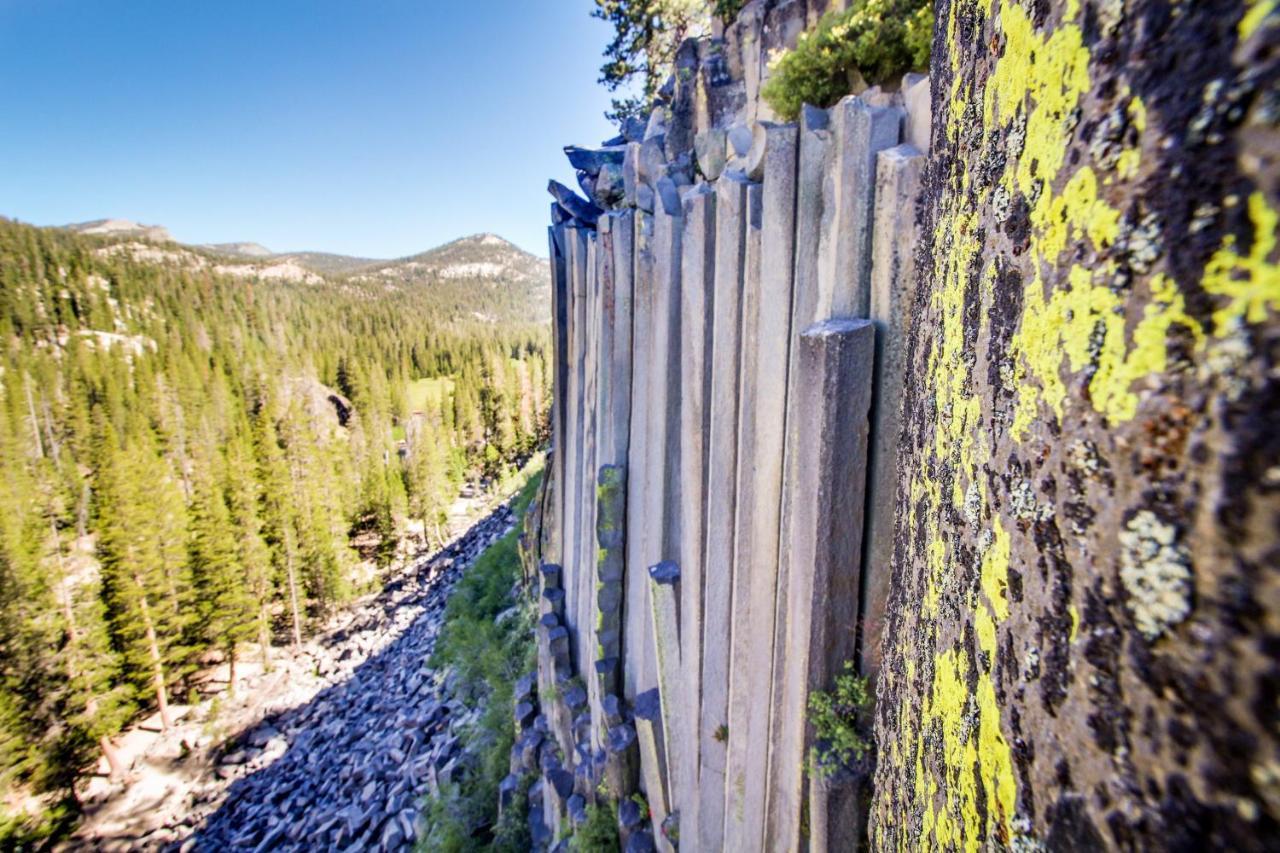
pixel 349 769
pixel 1049 528
pixel 679 638
pixel 1081 641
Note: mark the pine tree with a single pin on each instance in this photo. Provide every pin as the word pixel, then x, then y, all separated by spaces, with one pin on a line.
pixel 278 511
pixel 226 609
pixel 142 589
pixel 253 554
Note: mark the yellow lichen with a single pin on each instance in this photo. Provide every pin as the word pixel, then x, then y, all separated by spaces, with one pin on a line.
pixel 1131 156
pixel 1073 318
pixel 1250 283
pixel 1053 73
pixel 995 573
pixel 1256 11
pixel 974 749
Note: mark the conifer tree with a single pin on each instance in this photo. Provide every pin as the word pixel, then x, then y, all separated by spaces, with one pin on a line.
pixel 225 607
pixel 252 553
pixel 135 512
pixel 278 512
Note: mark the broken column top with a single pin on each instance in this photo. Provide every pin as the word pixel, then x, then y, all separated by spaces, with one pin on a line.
pixel 648 705
pixel 666 572
pixel 621 737
pixel 592 160
pixel 574 204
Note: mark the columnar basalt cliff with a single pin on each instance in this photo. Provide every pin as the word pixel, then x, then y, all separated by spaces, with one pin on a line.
pixel 989 423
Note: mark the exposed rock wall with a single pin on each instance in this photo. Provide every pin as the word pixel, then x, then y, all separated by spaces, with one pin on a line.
pixel 721 296
pixel 1082 642
pixel 995 423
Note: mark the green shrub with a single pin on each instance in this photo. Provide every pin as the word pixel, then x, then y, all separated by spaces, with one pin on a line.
pixel 839 719
pixel 727 10
pixel 488 658
pixel 879 40
pixel 599 833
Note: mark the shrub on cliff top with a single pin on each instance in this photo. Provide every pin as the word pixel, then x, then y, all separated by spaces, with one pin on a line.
pixel 878 40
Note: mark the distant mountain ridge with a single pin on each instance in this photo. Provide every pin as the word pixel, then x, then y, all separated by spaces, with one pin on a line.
pixel 479 256
pixel 122 228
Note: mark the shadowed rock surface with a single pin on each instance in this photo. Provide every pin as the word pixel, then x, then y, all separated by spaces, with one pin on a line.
pixel 349 769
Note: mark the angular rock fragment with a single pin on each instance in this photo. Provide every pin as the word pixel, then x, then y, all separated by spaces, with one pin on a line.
pixel 592 160
pixel 574 204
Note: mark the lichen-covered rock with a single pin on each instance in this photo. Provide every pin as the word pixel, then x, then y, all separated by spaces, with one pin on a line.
pixel 1085 618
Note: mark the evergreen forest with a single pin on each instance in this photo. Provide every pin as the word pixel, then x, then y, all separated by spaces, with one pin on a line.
pixel 200 463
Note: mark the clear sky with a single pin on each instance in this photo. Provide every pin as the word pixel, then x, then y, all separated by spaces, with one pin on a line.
pixel 366 127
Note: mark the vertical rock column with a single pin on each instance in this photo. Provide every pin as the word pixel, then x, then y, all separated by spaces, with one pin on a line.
pixel 844 254
pixel 610 537
pixel 559 378
pixel 576 254
pixel 585 563
pixel 824 536
pixel 892 285
pixel 766 338
pixel 663 452
pixel 619 238
pixel 697 300
pixel 732 212
pixel 661 533
pixel 599 362
pixel 612 435
pixel 637 649
pixel 784 782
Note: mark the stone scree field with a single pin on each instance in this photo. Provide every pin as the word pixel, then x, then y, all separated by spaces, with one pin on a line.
pixel 352 766
pixel 347 770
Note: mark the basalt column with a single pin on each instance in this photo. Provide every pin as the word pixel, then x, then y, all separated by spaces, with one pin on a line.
pixel 766 341
pixel 892 280
pixel 737 212
pixel 639 672
pixel 697 304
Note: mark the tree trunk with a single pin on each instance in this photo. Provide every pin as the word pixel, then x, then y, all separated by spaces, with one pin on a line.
pixel 35 423
pixel 157 661
pixel 231 671
pixel 1080 644
pixel 293 594
pixel 264 635
pixel 112 754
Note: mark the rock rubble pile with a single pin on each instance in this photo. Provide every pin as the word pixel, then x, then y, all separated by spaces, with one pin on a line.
pixel 349 769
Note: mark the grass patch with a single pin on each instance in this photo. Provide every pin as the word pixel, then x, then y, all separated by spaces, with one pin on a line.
pixel 428 395
pixel 488 657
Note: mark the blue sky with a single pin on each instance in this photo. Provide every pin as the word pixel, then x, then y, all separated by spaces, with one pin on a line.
pixel 365 127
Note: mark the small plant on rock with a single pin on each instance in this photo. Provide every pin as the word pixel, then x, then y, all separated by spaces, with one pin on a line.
pixel 872 42
pixel 639 800
pixel 727 10
pixel 839 718
pixel 599 833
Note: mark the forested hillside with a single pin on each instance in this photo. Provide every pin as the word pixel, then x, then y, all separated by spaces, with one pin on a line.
pixel 201 456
